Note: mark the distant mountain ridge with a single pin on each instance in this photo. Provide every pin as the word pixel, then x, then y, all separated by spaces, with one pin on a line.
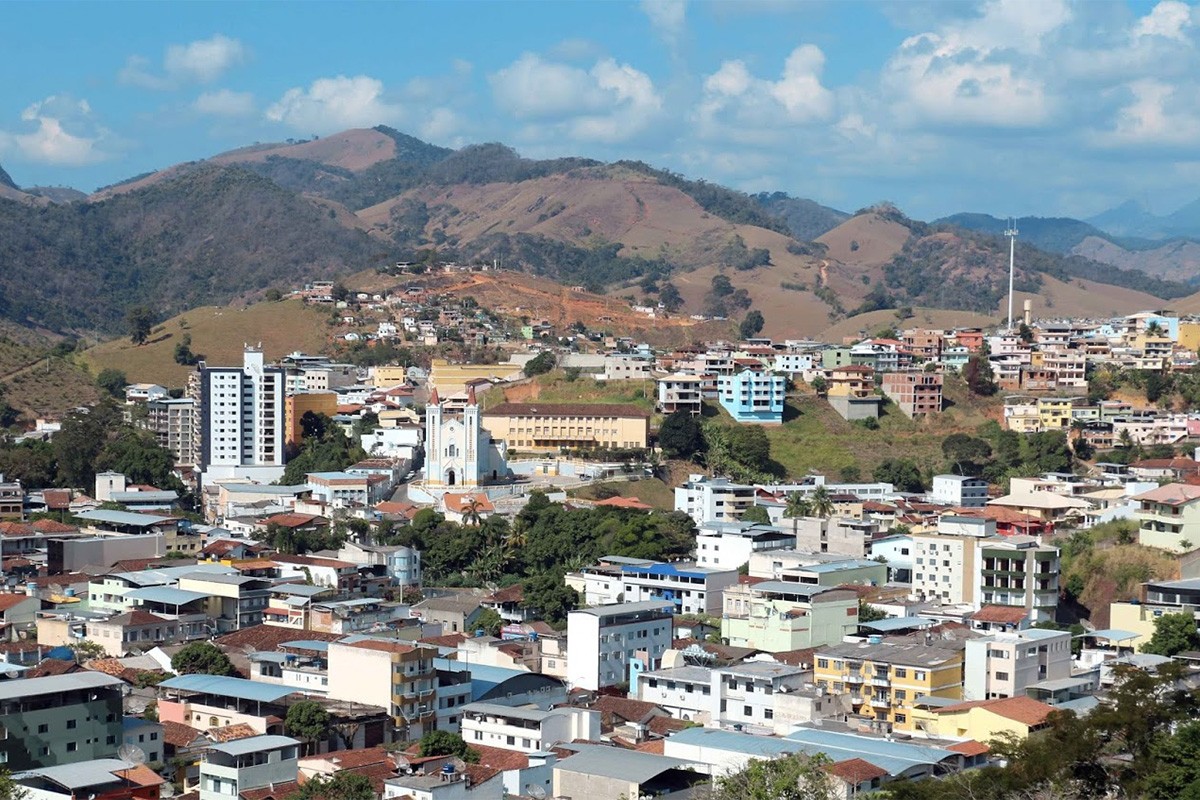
pixel 1134 219
pixel 275 215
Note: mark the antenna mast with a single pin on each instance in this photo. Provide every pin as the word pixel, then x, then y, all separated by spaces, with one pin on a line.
pixel 1011 233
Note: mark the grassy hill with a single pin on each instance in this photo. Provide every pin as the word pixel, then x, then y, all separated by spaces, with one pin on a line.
pixel 219 334
pixel 814 437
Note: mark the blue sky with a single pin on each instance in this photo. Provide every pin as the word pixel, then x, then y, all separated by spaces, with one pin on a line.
pixel 1004 106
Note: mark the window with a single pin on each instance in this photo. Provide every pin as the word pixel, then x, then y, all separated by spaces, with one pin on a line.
pixel 110 740
pixel 901 672
pixel 823 663
pixel 71 724
pixel 72 747
pixel 748 711
pixel 901 719
pixel 1001 676
pixel 43 728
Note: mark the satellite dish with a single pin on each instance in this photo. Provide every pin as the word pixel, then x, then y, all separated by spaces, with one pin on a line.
pixel 536 792
pixel 131 753
pixel 167 791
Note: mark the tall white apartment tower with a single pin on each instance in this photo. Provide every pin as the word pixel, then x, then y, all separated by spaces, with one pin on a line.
pixel 241 420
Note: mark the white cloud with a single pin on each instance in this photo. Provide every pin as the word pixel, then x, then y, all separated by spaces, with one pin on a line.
pixel 199 62
pixel 739 106
pixel 668 18
pixel 59 131
pixel 979 71
pixel 1157 114
pixel 1168 19
pixel 611 102
pixel 225 103
pixel 334 104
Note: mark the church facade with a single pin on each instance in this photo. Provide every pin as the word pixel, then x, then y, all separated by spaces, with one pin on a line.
pixel 458 451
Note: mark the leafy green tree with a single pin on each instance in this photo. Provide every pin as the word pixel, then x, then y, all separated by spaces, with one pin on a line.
pixel 140 458
pixel 140 320
pixel 966 454
pixel 1177 775
pixel 339 292
pixel 112 381
pixel 756 514
pixel 86 650
pixel 978 375
pixel 791 777
pixel 540 364
pixel 821 503
pixel 869 613
pixel 752 325
pixel 552 598
pixel 444 743
pixel 668 295
pixel 798 505
pixel 1173 634
pixel 819 385
pixel 79 442
pixel 680 435
pixel 850 473
pixel 10 789
pixel 307 720
pixel 901 473
pixel 749 446
pixel 202 658
pixel 341 785
pixel 490 622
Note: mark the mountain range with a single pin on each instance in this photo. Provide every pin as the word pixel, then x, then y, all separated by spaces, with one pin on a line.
pixel 234 225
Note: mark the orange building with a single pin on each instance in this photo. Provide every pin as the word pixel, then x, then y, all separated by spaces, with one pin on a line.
pixel 297 405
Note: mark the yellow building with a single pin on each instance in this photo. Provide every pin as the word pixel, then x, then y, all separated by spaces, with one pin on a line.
pixel 852 381
pixel 982 719
pixel 1189 336
pixel 550 426
pixel 297 405
pixel 451 379
pixel 884 680
pixel 1055 412
pixel 1136 618
pixel 391 375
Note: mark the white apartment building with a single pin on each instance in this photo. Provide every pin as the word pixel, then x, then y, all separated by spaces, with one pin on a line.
pixel 796 363
pixel 242 426
pixel 693 589
pixel 945 561
pixel 704 499
pixel 526 729
pixel 965 562
pixel 622 368
pixel 608 645
pixel 729 545
pixel 680 392
pixel 1006 664
pixel 959 490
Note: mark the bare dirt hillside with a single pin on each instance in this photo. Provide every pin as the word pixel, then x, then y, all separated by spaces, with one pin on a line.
pixel 863 325
pixel 1178 260
pixel 1081 298
pixel 355 150
pixel 867 240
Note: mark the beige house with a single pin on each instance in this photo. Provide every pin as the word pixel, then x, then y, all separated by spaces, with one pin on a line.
pixel 1169 517
pixel 387 673
pixel 450 378
pixel 550 426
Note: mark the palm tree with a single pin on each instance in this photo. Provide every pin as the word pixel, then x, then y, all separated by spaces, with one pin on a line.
pixel 797 506
pixel 1154 329
pixel 822 504
pixel 471 512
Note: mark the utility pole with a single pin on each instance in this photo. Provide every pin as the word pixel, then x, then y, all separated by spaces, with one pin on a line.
pixel 1011 233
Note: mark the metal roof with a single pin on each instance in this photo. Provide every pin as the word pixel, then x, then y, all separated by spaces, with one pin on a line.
pixel 745 743
pixel 301 589
pixel 897 624
pixel 253 744
pixel 308 644
pixel 1112 634
pixel 618 609
pixel 123 518
pixel 1060 683
pixel 895 757
pixel 789 587
pixel 240 688
pixel 510 712
pixel 164 594
pixel 81 775
pixel 144 497
pixel 54 684
pixel 258 488
pixel 839 566
pixel 615 762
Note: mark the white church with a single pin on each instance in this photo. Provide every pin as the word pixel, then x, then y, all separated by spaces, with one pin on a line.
pixel 458 451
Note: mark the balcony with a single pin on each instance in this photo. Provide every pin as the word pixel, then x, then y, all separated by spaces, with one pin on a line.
pixel 878 681
pixel 854 678
pixel 880 702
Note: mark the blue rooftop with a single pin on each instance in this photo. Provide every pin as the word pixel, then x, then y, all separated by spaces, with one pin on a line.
pixel 668 569
pixel 239 688
pixel 897 624
pixel 895 757
pixel 307 644
pixel 123 518
pixel 484 678
pixel 164 594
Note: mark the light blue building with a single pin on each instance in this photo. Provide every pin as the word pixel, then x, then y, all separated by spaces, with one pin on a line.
pixel 751 396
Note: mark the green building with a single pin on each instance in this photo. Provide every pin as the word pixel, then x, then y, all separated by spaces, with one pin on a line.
pixel 59 719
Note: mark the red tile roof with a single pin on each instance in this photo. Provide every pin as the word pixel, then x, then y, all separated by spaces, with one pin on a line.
pixel 970 748
pixel 269 637
pixel 626 708
pixel 312 561
pixel 57 499
pixel 499 758
pixel 354 759
pixel 231 733
pixel 381 646
pixel 856 771
pixel 509 594
pixel 52 666
pixel 276 791
pixel 1025 710
pixel 177 734
pixel 8 601
pixel 291 520
pixel 52 526
pixel 448 640
pixel 566 410
pixel 1004 615
pixel 459 503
